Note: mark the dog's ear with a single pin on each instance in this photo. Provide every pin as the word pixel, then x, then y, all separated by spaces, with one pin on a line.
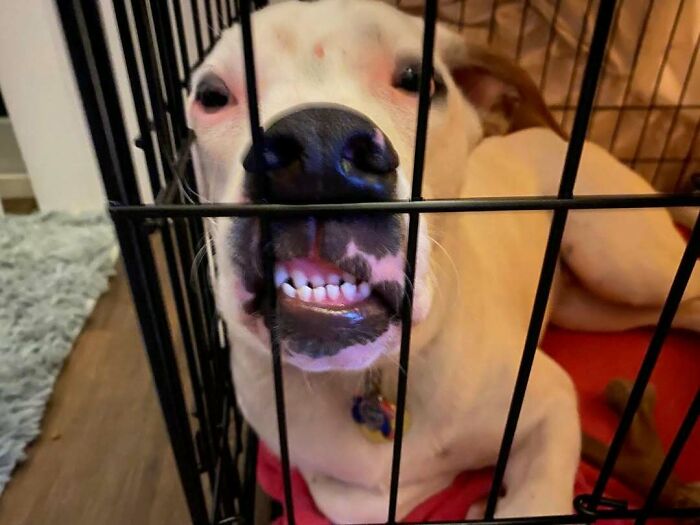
pixel 503 94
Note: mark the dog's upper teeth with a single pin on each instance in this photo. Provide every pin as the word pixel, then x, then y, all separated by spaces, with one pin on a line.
pixel 317 280
pixel 304 293
pixel 333 279
pixel 299 278
pixel 349 291
pixel 281 275
pixel 289 290
pixel 333 291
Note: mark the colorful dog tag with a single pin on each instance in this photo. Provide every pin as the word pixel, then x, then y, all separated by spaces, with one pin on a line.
pixel 375 415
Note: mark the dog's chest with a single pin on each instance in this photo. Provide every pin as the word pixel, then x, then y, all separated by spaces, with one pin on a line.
pixel 325 440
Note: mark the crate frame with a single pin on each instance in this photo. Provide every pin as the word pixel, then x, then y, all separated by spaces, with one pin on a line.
pixel 216 451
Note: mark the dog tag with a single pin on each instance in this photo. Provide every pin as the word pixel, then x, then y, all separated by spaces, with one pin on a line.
pixel 376 415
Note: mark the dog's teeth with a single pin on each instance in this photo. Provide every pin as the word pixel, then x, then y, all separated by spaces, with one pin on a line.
pixel 319 294
pixel 333 279
pixel 316 281
pixel 289 290
pixel 363 290
pixel 281 275
pixel 349 278
pixel 304 293
pixel 349 291
pixel 299 278
pixel 333 291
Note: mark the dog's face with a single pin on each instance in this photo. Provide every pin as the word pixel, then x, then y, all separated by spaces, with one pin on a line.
pixel 338 97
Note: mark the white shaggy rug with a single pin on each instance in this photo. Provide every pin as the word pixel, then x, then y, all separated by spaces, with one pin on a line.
pixel 53 267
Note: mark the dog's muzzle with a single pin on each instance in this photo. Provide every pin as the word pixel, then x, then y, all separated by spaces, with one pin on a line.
pixel 338 278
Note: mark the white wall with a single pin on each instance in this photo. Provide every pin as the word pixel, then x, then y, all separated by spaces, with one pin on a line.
pixel 42 99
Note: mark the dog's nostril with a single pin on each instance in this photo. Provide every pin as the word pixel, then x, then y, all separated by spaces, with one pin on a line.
pixel 371 153
pixel 278 152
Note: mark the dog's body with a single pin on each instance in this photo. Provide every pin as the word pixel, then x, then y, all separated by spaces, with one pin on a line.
pixel 474 290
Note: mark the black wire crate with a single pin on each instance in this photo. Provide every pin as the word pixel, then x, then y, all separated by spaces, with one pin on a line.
pixel 133 82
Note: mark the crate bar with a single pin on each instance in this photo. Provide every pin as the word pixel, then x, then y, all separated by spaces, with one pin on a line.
pixel 153 83
pixel 579 51
pixel 548 51
pixel 657 81
pixel 570 519
pixel 492 21
pixel 632 73
pixel 471 205
pixel 674 452
pixel 175 272
pixel 88 50
pixel 166 136
pixel 689 157
pixel 182 42
pixel 168 61
pixel 429 18
pixel 663 326
pixel 201 308
pixel 267 253
pixel 196 23
pixel 521 30
pixel 681 98
pixel 551 255
pixel 210 22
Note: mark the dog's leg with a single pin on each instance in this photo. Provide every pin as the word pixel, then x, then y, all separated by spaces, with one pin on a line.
pixel 539 478
pixel 577 308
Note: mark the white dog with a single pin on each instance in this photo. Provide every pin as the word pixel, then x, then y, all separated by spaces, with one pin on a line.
pixel 337 83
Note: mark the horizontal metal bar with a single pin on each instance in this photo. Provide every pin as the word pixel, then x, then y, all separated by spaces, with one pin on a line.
pixel 475 204
pixel 602 516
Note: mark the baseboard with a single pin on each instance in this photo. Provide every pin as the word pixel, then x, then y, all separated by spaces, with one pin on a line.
pixel 15 186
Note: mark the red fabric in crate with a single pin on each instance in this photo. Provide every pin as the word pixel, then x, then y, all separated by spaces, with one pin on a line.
pixel 592 360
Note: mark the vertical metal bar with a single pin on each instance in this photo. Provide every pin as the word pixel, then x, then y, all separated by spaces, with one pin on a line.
pixel 492 21
pixel 267 256
pixel 210 22
pixel 675 295
pixel 689 156
pixel 194 6
pixel 227 13
pixel 577 57
pixel 143 279
pixel 657 84
pixel 182 43
pixel 679 105
pixel 674 452
pixel 566 187
pixel 630 77
pixel 174 272
pixel 168 61
pixel 462 9
pixel 430 17
pixel 548 51
pixel 249 476
pixel 521 30
pixel 85 39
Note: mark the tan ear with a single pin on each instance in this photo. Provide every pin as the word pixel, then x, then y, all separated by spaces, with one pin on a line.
pixel 502 92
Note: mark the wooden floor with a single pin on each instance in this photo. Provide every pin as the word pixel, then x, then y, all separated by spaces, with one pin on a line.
pixel 103 456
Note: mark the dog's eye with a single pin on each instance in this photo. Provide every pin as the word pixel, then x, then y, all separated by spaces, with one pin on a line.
pixel 212 94
pixel 407 78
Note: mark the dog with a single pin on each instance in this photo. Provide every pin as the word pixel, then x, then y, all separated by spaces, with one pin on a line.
pixel 337 86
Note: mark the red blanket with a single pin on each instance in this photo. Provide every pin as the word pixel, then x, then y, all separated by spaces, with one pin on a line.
pixel 592 360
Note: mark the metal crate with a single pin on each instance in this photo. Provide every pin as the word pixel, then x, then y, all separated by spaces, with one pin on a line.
pixel 214 449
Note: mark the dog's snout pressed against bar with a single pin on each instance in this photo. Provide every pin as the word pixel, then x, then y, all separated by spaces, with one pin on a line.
pixel 324 155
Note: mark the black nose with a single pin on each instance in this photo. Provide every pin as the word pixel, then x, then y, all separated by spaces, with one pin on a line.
pixel 323 155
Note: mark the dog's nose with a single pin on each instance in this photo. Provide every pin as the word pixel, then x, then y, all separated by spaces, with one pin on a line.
pixel 323 155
